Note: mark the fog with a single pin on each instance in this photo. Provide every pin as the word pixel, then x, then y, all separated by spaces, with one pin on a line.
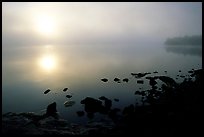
pixel 99 23
pixel 75 45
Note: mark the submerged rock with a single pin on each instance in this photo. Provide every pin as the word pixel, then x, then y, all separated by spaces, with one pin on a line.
pixel 69 103
pixel 116 100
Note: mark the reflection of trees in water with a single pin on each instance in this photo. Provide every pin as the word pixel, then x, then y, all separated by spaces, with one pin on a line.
pixel 185 50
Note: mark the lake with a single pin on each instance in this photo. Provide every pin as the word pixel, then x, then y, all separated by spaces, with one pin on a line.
pixel 27 71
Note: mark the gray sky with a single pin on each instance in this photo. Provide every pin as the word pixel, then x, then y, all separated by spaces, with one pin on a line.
pixel 98 23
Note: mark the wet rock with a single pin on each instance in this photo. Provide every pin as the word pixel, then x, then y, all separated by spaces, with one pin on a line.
pixel 190 71
pixel 108 104
pixel 91 104
pixel 125 79
pixel 51 109
pixel 137 92
pixel 102 98
pixel 152 82
pixel 140 81
pixel 116 100
pixel 117 80
pixel 179 70
pixel 149 77
pixel 155 72
pixel 65 89
pixel 104 79
pixel 89 101
pixel 48 90
pixel 69 103
pixel 140 75
pixel 68 96
pixel 169 81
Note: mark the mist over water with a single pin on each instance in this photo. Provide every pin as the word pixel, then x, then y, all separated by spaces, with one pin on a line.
pixel 74 45
pixel 80 68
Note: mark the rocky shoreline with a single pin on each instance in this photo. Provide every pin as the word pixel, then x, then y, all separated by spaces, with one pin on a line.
pixel 174 111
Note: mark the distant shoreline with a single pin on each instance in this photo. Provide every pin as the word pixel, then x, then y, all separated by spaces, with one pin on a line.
pixel 185 40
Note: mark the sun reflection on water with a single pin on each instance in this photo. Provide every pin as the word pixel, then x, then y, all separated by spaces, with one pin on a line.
pixel 48 62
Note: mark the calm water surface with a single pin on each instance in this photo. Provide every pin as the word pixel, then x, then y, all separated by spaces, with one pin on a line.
pixel 29 70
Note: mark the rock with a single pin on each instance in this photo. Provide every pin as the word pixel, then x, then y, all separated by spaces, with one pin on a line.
pixel 65 89
pixel 169 81
pixel 90 101
pixel 92 105
pixel 48 90
pixel 51 109
pixel 108 104
pixel 140 81
pixel 182 76
pixel 102 98
pixel 152 82
pixel 116 100
pixel 116 79
pixel 137 92
pixel 104 79
pixel 69 103
pixel 140 75
pixel 190 71
pixel 69 96
pixel 125 79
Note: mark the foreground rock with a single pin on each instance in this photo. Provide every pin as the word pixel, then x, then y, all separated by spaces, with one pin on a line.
pixel 20 124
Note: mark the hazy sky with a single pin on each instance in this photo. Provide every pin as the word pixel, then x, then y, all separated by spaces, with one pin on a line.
pixel 98 23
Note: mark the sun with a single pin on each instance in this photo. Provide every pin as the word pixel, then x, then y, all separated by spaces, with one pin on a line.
pixel 45 25
pixel 48 63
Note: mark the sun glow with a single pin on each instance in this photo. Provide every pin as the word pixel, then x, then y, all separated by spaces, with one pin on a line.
pixel 45 25
pixel 48 63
